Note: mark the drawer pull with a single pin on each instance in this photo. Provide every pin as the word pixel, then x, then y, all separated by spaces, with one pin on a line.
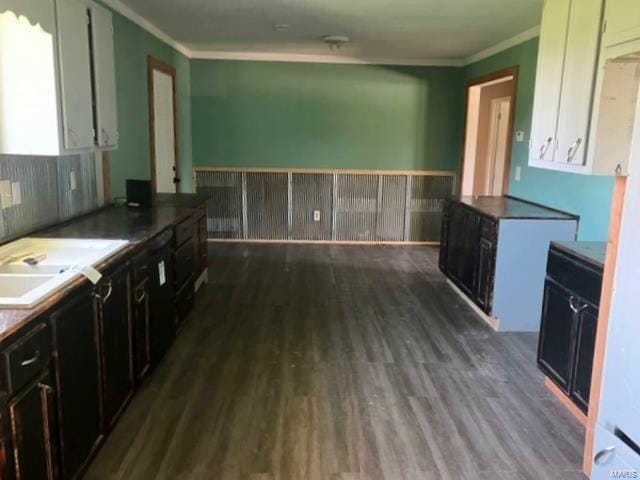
pixel 573 149
pixel 603 455
pixel 545 147
pixel 46 388
pixel 31 360
pixel 573 307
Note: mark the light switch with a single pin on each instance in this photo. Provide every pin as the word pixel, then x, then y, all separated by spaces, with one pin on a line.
pixel 519 136
pixel 16 194
pixel 5 194
pixel 316 215
pixel 518 174
pixel 72 180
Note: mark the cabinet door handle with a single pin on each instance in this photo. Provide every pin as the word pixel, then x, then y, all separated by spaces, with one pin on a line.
pixel 109 291
pixel 573 307
pixel 31 360
pixel 545 147
pixel 74 136
pixel 140 295
pixel 573 149
pixel 603 455
pixel 45 387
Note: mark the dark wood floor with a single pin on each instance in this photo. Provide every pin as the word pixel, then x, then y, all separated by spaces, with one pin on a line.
pixel 341 363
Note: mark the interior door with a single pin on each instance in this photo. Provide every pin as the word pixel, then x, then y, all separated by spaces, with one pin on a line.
pixel 164 142
pixel 498 146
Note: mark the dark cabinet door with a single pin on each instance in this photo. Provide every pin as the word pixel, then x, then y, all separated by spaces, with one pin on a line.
pixel 557 334
pixel 470 252
pixel 141 329
pixel 585 348
pixel 115 325
pixel 33 431
pixel 486 268
pixel 456 244
pixel 162 312
pixel 444 242
pixel 78 387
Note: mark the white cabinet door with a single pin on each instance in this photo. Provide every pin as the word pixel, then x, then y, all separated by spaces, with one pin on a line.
pixel 104 77
pixel 553 36
pixel 75 72
pixel 612 457
pixel 576 96
pixel 622 22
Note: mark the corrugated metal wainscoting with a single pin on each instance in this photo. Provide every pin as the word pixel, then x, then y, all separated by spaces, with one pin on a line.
pixel 322 205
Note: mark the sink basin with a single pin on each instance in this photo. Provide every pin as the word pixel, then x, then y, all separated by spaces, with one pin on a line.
pixel 24 286
pixel 20 285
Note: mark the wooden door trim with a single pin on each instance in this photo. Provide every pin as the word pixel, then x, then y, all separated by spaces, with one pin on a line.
pixel 507 72
pixel 156 64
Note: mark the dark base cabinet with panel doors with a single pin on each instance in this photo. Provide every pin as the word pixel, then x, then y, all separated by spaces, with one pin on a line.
pixel 494 248
pixel 570 317
pixel 69 369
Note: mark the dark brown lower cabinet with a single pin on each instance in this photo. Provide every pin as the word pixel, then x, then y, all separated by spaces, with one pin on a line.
pixel 78 389
pixel 112 296
pixel 33 431
pixel 467 252
pixel 568 326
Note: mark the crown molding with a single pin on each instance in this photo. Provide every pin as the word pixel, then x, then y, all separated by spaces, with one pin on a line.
pixel 139 20
pixel 504 45
pixel 318 58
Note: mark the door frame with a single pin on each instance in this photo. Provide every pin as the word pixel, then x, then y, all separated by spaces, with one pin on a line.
pixel 152 65
pixel 507 72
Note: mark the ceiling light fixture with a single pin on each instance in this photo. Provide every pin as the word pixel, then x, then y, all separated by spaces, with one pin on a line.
pixel 335 42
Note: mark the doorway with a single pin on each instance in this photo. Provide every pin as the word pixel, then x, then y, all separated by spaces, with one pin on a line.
pixel 486 166
pixel 163 127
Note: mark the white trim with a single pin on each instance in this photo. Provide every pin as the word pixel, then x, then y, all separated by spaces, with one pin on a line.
pixel 504 45
pixel 139 20
pixel 317 58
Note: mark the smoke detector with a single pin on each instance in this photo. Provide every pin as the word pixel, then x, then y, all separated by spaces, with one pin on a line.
pixel 335 42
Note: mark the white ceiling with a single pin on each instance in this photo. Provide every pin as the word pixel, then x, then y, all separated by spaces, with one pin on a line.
pixel 401 30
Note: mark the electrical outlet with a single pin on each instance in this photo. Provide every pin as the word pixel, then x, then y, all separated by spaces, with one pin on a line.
pixel 316 215
pixel 72 180
pixel 518 174
pixel 6 198
pixel 519 136
pixel 16 194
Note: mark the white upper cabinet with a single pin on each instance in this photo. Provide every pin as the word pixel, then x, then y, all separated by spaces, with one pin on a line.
pixel 105 77
pixel 47 90
pixel 567 59
pixel 581 57
pixel 29 110
pixel 622 22
pixel 553 38
pixel 75 72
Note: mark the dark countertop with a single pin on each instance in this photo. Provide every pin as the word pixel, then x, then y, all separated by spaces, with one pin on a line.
pixel 594 253
pixel 512 208
pixel 137 226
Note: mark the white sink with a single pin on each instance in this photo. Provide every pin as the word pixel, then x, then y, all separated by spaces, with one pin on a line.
pixel 24 286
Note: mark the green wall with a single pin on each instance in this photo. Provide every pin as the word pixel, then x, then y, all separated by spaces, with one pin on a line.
pixel 133 157
pixel 270 114
pixel 588 196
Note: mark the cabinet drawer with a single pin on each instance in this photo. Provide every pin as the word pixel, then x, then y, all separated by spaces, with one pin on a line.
pixel 28 356
pixel 579 278
pixel 185 298
pixel 184 231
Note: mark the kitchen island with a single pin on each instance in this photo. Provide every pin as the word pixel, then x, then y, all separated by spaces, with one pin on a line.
pixel 493 251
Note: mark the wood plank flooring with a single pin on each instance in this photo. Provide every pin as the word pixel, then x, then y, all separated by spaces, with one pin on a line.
pixel 304 362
